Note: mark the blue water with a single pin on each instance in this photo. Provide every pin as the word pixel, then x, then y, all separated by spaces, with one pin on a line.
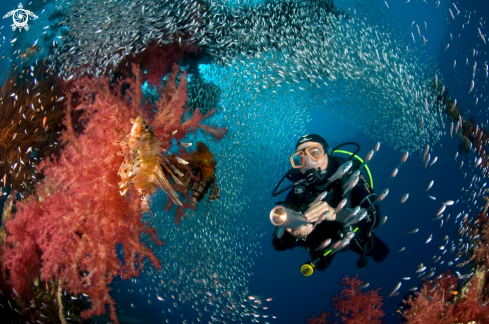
pixel 276 274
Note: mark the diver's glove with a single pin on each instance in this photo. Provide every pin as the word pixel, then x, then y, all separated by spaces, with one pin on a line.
pixel 301 231
pixel 320 209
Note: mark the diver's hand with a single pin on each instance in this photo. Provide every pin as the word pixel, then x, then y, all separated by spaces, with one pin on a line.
pixel 301 231
pixel 319 208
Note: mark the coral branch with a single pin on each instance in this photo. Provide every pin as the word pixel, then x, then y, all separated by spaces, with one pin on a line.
pixel 357 307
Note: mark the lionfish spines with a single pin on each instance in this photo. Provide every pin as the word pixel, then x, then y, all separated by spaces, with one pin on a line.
pixel 141 165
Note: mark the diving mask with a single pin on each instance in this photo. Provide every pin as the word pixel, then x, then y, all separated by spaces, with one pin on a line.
pixel 314 153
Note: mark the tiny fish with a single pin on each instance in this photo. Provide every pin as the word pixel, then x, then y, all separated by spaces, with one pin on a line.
pixel 60 99
pixel 413 289
pixel 429 239
pixel 451 130
pixel 401 249
pixel 377 146
pixel 454 63
pixel 472 83
pixel 479 160
pixel 438 217
pixel 386 4
pixel 341 205
pixel 430 185
pixel 382 195
pixel 174 132
pixel 365 285
pixel 185 144
pixel 427 148
pixel 448 45
pixel 434 160
pixel 44 121
pixel 383 221
pixel 413 231
pixel 396 288
pixel 182 161
pixel 482 36
pixel 404 157
pixel 456 155
pixel 428 157
pixel 341 171
pixel 15 135
pixel 451 13
pixel 430 298
pixel 463 277
pixel 448 202
pixel 442 209
pixel 13 40
pixel 426 105
pixel 404 198
pixel 394 173
pixel 369 155
pixel 323 245
pixel 461 165
pixel 406 278
pixel 421 269
pixel 429 275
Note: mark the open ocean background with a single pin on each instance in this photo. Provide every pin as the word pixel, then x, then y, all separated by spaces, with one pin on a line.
pixel 276 274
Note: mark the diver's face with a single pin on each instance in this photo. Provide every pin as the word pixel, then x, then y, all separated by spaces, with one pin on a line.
pixel 322 163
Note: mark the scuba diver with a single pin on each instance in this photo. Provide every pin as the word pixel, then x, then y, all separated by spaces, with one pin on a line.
pixel 330 208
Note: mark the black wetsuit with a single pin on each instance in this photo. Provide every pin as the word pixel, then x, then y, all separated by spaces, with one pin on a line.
pixel 361 195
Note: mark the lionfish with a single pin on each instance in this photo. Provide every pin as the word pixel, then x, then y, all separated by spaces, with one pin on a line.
pixel 141 166
pixel 204 168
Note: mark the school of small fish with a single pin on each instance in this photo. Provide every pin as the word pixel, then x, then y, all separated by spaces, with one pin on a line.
pixel 265 58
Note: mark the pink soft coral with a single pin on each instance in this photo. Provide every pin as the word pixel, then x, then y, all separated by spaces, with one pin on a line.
pixel 79 217
pixel 354 306
pixel 69 232
pixel 357 307
pixel 434 303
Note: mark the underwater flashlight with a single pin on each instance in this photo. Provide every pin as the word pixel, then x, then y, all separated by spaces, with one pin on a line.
pixel 285 217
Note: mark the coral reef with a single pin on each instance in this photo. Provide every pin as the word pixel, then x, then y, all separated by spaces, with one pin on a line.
pixel 476 137
pixel 354 306
pixel 437 303
pixel 67 234
pixel 155 61
pixel 323 319
pixel 30 117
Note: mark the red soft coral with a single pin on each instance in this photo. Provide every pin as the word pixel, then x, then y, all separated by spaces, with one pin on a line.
pixel 353 305
pixel 323 319
pixel 357 307
pixel 79 217
pixel 69 232
pixel 434 303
